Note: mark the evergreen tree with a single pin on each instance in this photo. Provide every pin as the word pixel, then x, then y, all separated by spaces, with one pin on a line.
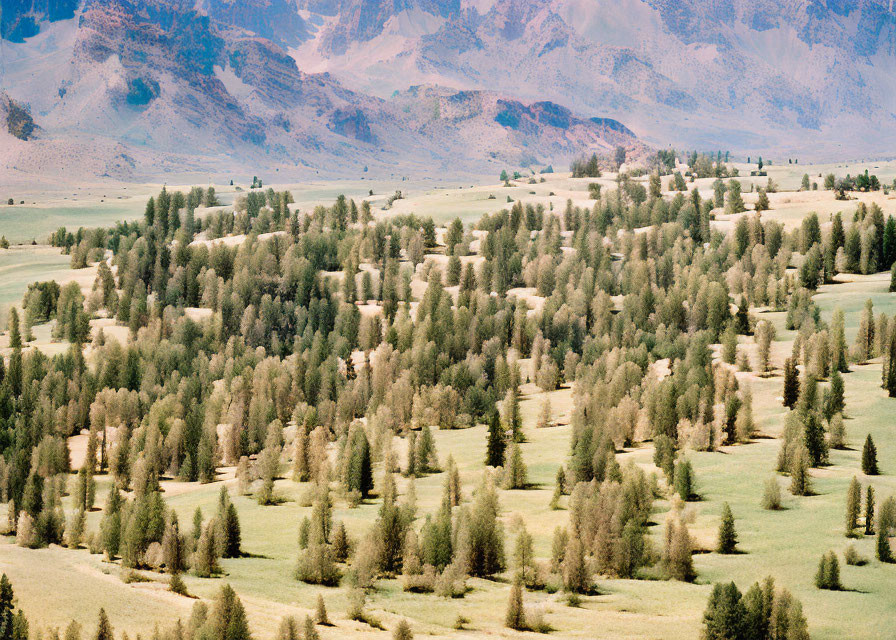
pixel 869 457
pixel 884 551
pixel 828 574
pixel 816 445
pixel 497 442
pixel 791 383
pixel 800 482
pixel 320 612
pixel 727 534
pixel 869 511
pixel 227 619
pixel 853 505
pixel 104 628
pixel 725 617
pixel 684 480
pixel 358 474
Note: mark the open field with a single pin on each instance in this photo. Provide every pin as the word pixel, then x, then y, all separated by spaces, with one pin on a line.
pixel 784 544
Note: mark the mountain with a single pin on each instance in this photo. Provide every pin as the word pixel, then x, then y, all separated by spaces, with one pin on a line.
pixel 421 86
pixel 159 86
pixel 807 76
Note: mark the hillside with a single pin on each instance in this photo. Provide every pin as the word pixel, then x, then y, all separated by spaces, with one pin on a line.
pixel 792 77
pixel 155 87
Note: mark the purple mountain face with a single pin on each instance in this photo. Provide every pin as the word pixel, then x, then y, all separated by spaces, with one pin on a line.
pixel 340 84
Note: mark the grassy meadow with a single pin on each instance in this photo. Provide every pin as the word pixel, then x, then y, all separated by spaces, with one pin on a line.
pixel 56 585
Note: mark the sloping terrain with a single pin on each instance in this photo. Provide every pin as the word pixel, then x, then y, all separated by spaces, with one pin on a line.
pixel 153 86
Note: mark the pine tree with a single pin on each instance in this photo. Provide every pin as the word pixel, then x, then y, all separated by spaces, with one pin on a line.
pixel 725 617
pixel 884 551
pixel 320 612
pixel 869 511
pixel 828 574
pixel 497 442
pixel 516 476
pixel 104 628
pixel 684 480
pixel 310 632
pixel 816 445
pixel 358 474
pixel 869 457
pixel 853 505
pixel 516 616
pixel 800 482
pixel 227 619
pixel 727 534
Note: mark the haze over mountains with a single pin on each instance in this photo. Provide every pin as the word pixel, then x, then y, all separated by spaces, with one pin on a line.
pixel 136 88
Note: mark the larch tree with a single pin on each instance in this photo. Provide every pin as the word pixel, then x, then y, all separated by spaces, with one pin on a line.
pixel 727 535
pixel 869 457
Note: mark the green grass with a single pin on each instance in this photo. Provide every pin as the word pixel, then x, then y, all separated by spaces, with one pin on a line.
pixel 786 544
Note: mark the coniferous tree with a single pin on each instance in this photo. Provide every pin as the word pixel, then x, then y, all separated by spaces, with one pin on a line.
pixel 358 475
pixel 884 551
pixel 727 534
pixel 816 445
pixel 516 476
pixel 853 505
pixel 869 457
pixel 828 574
pixel 320 612
pixel 869 511
pixel 104 628
pixel 496 444
pixel 725 617
pixel 575 571
pixel 800 482
pixel 684 480
pixel 679 562
pixel 516 616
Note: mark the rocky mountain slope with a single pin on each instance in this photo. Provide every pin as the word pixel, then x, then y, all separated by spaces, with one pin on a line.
pixel 156 84
pixel 402 86
pixel 776 75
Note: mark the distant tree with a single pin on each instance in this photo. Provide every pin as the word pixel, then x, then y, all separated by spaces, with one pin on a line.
pixel 735 200
pixel 104 628
pixel 320 612
pixel 884 551
pixel 727 534
pixel 771 496
pixel 853 504
pixel 574 567
pixel 403 631
pixel 679 562
pixel 725 617
pixel 800 482
pixel 869 457
pixel 515 476
pixel 515 618
pixel 358 474
pixel 684 480
pixel 828 574
pixel 869 511
pixel 497 442
pixel 791 383
pixel 762 203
